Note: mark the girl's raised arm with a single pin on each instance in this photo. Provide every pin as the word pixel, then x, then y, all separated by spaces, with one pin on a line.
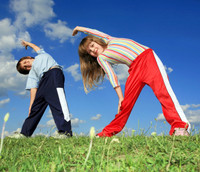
pixel 93 32
pixel 77 29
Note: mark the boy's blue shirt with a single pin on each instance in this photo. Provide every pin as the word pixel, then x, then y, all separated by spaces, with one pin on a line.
pixel 42 63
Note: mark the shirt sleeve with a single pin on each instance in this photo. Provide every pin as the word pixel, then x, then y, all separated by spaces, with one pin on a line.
pixel 41 51
pixel 109 71
pixel 32 81
pixel 98 34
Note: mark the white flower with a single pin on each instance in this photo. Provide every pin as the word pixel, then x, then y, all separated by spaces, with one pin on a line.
pixel 153 133
pixel 115 140
pixel 92 132
pixel 6 117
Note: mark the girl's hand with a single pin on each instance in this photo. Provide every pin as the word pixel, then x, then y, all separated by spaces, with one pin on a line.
pixel 75 31
pixel 120 95
pixel 119 104
pixel 78 29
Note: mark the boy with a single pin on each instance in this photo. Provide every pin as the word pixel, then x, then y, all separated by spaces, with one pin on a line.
pixel 46 84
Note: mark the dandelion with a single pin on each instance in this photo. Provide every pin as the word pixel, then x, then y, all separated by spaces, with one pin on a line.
pixel 115 140
pixel 92 134
pixel 5 120
pixel 53 167
pixel 153 133
pixel 156 138
pixel 6 117
pixel 59 149
pixel 133 132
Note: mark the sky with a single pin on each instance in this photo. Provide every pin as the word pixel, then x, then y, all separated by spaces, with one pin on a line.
pixel 170 27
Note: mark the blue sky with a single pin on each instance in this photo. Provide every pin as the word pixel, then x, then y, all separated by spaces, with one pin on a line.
pixel 170 27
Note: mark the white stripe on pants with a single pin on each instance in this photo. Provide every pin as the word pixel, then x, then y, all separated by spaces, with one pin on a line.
pixel 63 102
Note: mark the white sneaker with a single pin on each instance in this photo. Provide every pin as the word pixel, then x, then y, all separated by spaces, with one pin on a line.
pixel 60 136
pixel 17 135
pixel 181 132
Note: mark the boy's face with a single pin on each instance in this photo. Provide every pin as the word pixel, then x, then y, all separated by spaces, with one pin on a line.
pixel 26 64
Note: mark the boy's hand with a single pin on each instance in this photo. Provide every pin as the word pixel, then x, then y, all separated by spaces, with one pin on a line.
pixel 25 44
pixel 33 46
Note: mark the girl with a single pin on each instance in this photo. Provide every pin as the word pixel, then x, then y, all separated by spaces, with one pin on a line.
pixel 98 51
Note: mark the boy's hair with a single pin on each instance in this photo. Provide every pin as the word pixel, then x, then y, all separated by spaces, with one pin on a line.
pixel 92 72
pixel 18 66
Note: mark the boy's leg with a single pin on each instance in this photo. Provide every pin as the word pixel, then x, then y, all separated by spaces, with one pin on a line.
pixel 55 97
pixel 37 110
pixel 157 79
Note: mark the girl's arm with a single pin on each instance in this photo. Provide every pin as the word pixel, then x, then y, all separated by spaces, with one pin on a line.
pixel 93 32
pixel 120 95
pixel 112 77
pixel 77 29
pixel 33 46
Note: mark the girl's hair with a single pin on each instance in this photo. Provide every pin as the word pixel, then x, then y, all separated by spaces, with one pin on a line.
pixel 91 71
pixel 19 67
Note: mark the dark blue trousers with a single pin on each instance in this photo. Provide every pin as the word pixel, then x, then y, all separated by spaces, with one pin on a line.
pixel 50 92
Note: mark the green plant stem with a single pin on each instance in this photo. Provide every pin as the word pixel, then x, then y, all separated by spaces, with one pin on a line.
pixel 2 133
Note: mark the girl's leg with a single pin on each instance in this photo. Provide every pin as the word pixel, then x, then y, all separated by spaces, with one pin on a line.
pixel 133 87
pixel 157 79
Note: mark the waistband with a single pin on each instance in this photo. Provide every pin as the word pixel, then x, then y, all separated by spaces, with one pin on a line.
pixel 57 66
pixel 144 52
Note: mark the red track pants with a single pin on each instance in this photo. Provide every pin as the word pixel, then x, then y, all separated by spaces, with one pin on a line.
pixel 148 69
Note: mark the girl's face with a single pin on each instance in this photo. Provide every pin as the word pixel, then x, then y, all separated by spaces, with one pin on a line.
pixel 94 49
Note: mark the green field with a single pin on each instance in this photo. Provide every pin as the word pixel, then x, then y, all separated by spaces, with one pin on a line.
pixel 119 153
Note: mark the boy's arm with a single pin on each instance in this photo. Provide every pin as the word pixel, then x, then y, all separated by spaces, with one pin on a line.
pixel 32 98
pixel 33 46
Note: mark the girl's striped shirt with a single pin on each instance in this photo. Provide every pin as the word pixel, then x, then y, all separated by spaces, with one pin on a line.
pixel 119 50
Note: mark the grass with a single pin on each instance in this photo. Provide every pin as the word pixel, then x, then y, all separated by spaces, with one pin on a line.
pixel 119 153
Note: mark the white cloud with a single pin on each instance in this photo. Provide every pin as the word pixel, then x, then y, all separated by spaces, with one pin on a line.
pixel 121 72
pixel 30 13
pixel 7 36
pixel 191 111
pixel 97 117
pixel 23 93
pixel 168 69
pixel 9 77
pixel 50 123
pixel 160 117
pixel 58 30
pixel 4 102
pixel 75 122
pixel 74 71
pixel 49 115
